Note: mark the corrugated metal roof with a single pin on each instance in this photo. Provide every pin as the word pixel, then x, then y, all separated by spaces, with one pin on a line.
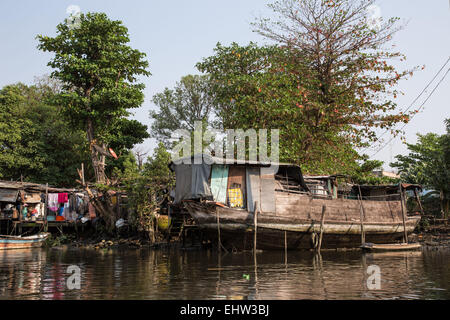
pixel 205 158
pixel 8 195
pixel 31 186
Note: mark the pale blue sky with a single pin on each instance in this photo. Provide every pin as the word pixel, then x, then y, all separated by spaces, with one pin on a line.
pixel 177 34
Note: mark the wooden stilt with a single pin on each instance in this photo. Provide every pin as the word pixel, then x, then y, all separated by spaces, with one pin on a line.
pixel 285 247
pixel 403 214
pixel 219 242
pixel 324 209
pixel 255 223
pixel 46 208
pixel 361 219
pixel 20 219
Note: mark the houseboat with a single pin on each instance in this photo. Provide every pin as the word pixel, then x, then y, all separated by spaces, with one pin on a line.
pixel 232 201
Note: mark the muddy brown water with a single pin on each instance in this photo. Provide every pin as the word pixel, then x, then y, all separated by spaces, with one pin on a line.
pixel 203 274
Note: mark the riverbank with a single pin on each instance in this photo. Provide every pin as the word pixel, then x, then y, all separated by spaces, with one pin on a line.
pixel 431 237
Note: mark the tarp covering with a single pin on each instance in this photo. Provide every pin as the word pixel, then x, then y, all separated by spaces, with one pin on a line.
pixel 183 188
pixel 254 181
pixel 192 181
pixel 8 195
pixel 261 188
pixel 253 187
pixel 200 177
pixel 219 180
pixel 267 190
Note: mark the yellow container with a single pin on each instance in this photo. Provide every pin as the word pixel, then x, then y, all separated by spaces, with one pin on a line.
pixel 163 223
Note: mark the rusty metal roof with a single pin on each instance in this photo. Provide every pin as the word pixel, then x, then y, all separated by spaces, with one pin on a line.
pixel 8 195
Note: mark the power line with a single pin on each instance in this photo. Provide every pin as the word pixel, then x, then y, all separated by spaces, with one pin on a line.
pixel 417 98
pixel 429 96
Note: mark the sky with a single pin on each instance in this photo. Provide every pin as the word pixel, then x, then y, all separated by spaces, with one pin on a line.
pixel 176 34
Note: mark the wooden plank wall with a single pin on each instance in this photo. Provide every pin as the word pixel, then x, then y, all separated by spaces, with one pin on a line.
pixel 305 207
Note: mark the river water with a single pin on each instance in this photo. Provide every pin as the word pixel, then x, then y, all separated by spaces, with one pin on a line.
pixel 204 274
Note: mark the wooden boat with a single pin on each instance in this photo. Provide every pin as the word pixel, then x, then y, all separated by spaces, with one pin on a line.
pixel 390 247
pixel 19 242
pixel 286 212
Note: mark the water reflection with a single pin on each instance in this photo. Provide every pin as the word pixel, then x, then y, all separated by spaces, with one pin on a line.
pixel 176 274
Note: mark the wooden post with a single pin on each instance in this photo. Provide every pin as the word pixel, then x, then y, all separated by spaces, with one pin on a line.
pixel 285 247
pixel 361 216
pixel 361 219
pixel 82 174
pixel 20 215
pixel 324 209
pixel 46 208
pixel 403 214
pixel 255 223
pixel 219 242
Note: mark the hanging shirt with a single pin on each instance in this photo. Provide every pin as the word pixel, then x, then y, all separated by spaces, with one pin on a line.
pixel 63 197
pixel 53 202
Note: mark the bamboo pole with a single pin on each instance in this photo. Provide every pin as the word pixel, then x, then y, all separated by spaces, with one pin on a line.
pixel 324 209
pixel 403 214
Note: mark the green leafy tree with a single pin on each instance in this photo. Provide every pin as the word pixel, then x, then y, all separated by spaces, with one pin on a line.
pixel 148 188
pixel 157 167
pixel 253 90
pixel 428 163
pixel 99 72
pixel 191 100
pixel 349 63
pixel 38 143
pixel 122 138
pixel 364 173
pixel 18 150
pixel 327 83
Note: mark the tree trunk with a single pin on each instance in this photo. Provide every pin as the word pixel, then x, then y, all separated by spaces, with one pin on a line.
pixel 98 161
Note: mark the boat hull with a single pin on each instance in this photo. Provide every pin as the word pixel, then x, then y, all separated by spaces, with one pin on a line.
pixel 237 229
pixel 390 247
pixel 12 242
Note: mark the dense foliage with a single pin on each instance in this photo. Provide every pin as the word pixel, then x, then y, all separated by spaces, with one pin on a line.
pixel 37 143
pixel 191 100
pixel 99 73
pixel 327 83
pixel 148 188
pixel 428 163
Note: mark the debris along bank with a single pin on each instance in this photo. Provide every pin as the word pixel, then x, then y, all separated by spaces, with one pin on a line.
pixel 247 204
